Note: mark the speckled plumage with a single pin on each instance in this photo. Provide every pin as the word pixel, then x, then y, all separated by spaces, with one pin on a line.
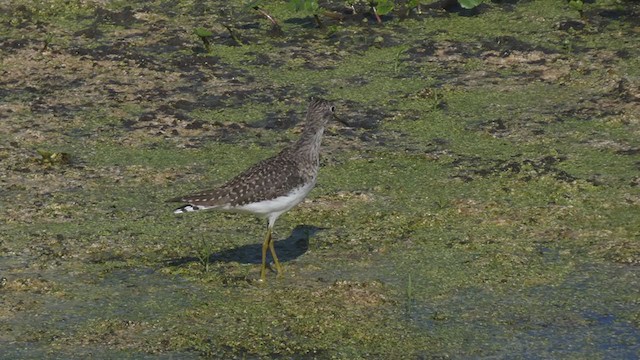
pixel 268 179
pixel 274 185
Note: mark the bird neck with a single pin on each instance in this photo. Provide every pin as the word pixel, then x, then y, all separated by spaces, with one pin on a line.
pixel 309 142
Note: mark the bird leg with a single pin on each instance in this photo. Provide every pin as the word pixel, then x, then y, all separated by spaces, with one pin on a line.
pixel 265 245
pixel 269 243
pixel 273 254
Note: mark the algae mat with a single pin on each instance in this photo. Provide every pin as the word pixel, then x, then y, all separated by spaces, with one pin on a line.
pixel 482 203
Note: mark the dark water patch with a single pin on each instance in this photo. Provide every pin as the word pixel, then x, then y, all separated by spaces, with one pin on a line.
pixel 200 7
pixel 128 124
pixel 630 151
pixel 628 13
pixel 16 44
pixel 158 93
pixel 358 117
pixel 589 110
pixel 160 118
pixel 170 109
pixel 210 101
pixel 571 25
pixel 125 17
pixel 507 44
pixel 307 22
pixel 147 116
pixel 616 14
pixel 38 350
pixel 118 51
pixel 472 166
pixel 184 105
pixel 586 315
pixel 427 49
pixel 227 133
pixel 495 127
pixel 59 110
pixel 277 121
pixel 68 325
pixel 266 59
pixel 201 67
pixel 175 41
pixel 195 125
pixel 48 85
pixel 91 32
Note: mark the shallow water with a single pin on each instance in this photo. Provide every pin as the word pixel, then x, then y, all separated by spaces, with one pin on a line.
pixel 481 203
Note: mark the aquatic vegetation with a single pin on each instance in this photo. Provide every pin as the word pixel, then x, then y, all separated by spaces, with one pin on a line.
pixel 204 36
pixel 470 4
pixel 307 8
pixel 481 203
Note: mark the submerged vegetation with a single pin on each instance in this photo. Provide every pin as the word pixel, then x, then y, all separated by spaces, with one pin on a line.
pixel 482 202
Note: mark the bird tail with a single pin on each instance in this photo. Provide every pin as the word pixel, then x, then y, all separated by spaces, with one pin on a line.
pixel 189 208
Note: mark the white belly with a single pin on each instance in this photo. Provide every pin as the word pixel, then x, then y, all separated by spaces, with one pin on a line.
pixel 277 206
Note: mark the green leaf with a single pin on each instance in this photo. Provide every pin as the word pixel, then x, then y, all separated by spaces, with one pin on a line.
pixel 577 5
pixel 469 4
pixel 202 32
pixel 384 7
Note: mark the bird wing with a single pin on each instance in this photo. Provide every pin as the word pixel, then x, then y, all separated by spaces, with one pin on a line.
pixel 268 179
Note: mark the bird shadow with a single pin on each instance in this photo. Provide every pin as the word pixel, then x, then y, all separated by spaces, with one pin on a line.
pixel 296 244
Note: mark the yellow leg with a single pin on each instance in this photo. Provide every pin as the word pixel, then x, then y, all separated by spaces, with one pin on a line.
pixel 275 257
pixel 265 245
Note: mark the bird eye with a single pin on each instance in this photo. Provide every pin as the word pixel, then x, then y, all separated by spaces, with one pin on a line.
pixel 332 109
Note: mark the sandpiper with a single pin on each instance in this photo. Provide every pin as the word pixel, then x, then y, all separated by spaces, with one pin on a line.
pixel 274 185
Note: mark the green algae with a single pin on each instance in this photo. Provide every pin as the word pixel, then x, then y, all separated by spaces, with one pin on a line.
pixel 482 204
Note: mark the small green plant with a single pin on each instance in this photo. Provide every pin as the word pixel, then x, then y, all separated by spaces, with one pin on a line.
pixel 577 5
pixel 308 8
pixel 233 35
pixel 351 4
pixel 47 41
pixel 398 63
pixel 204 36
pixel 53 158
pixel 413 4
pixel 381 7
pixel 203 253
pixel 469 4
pixel 275 27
